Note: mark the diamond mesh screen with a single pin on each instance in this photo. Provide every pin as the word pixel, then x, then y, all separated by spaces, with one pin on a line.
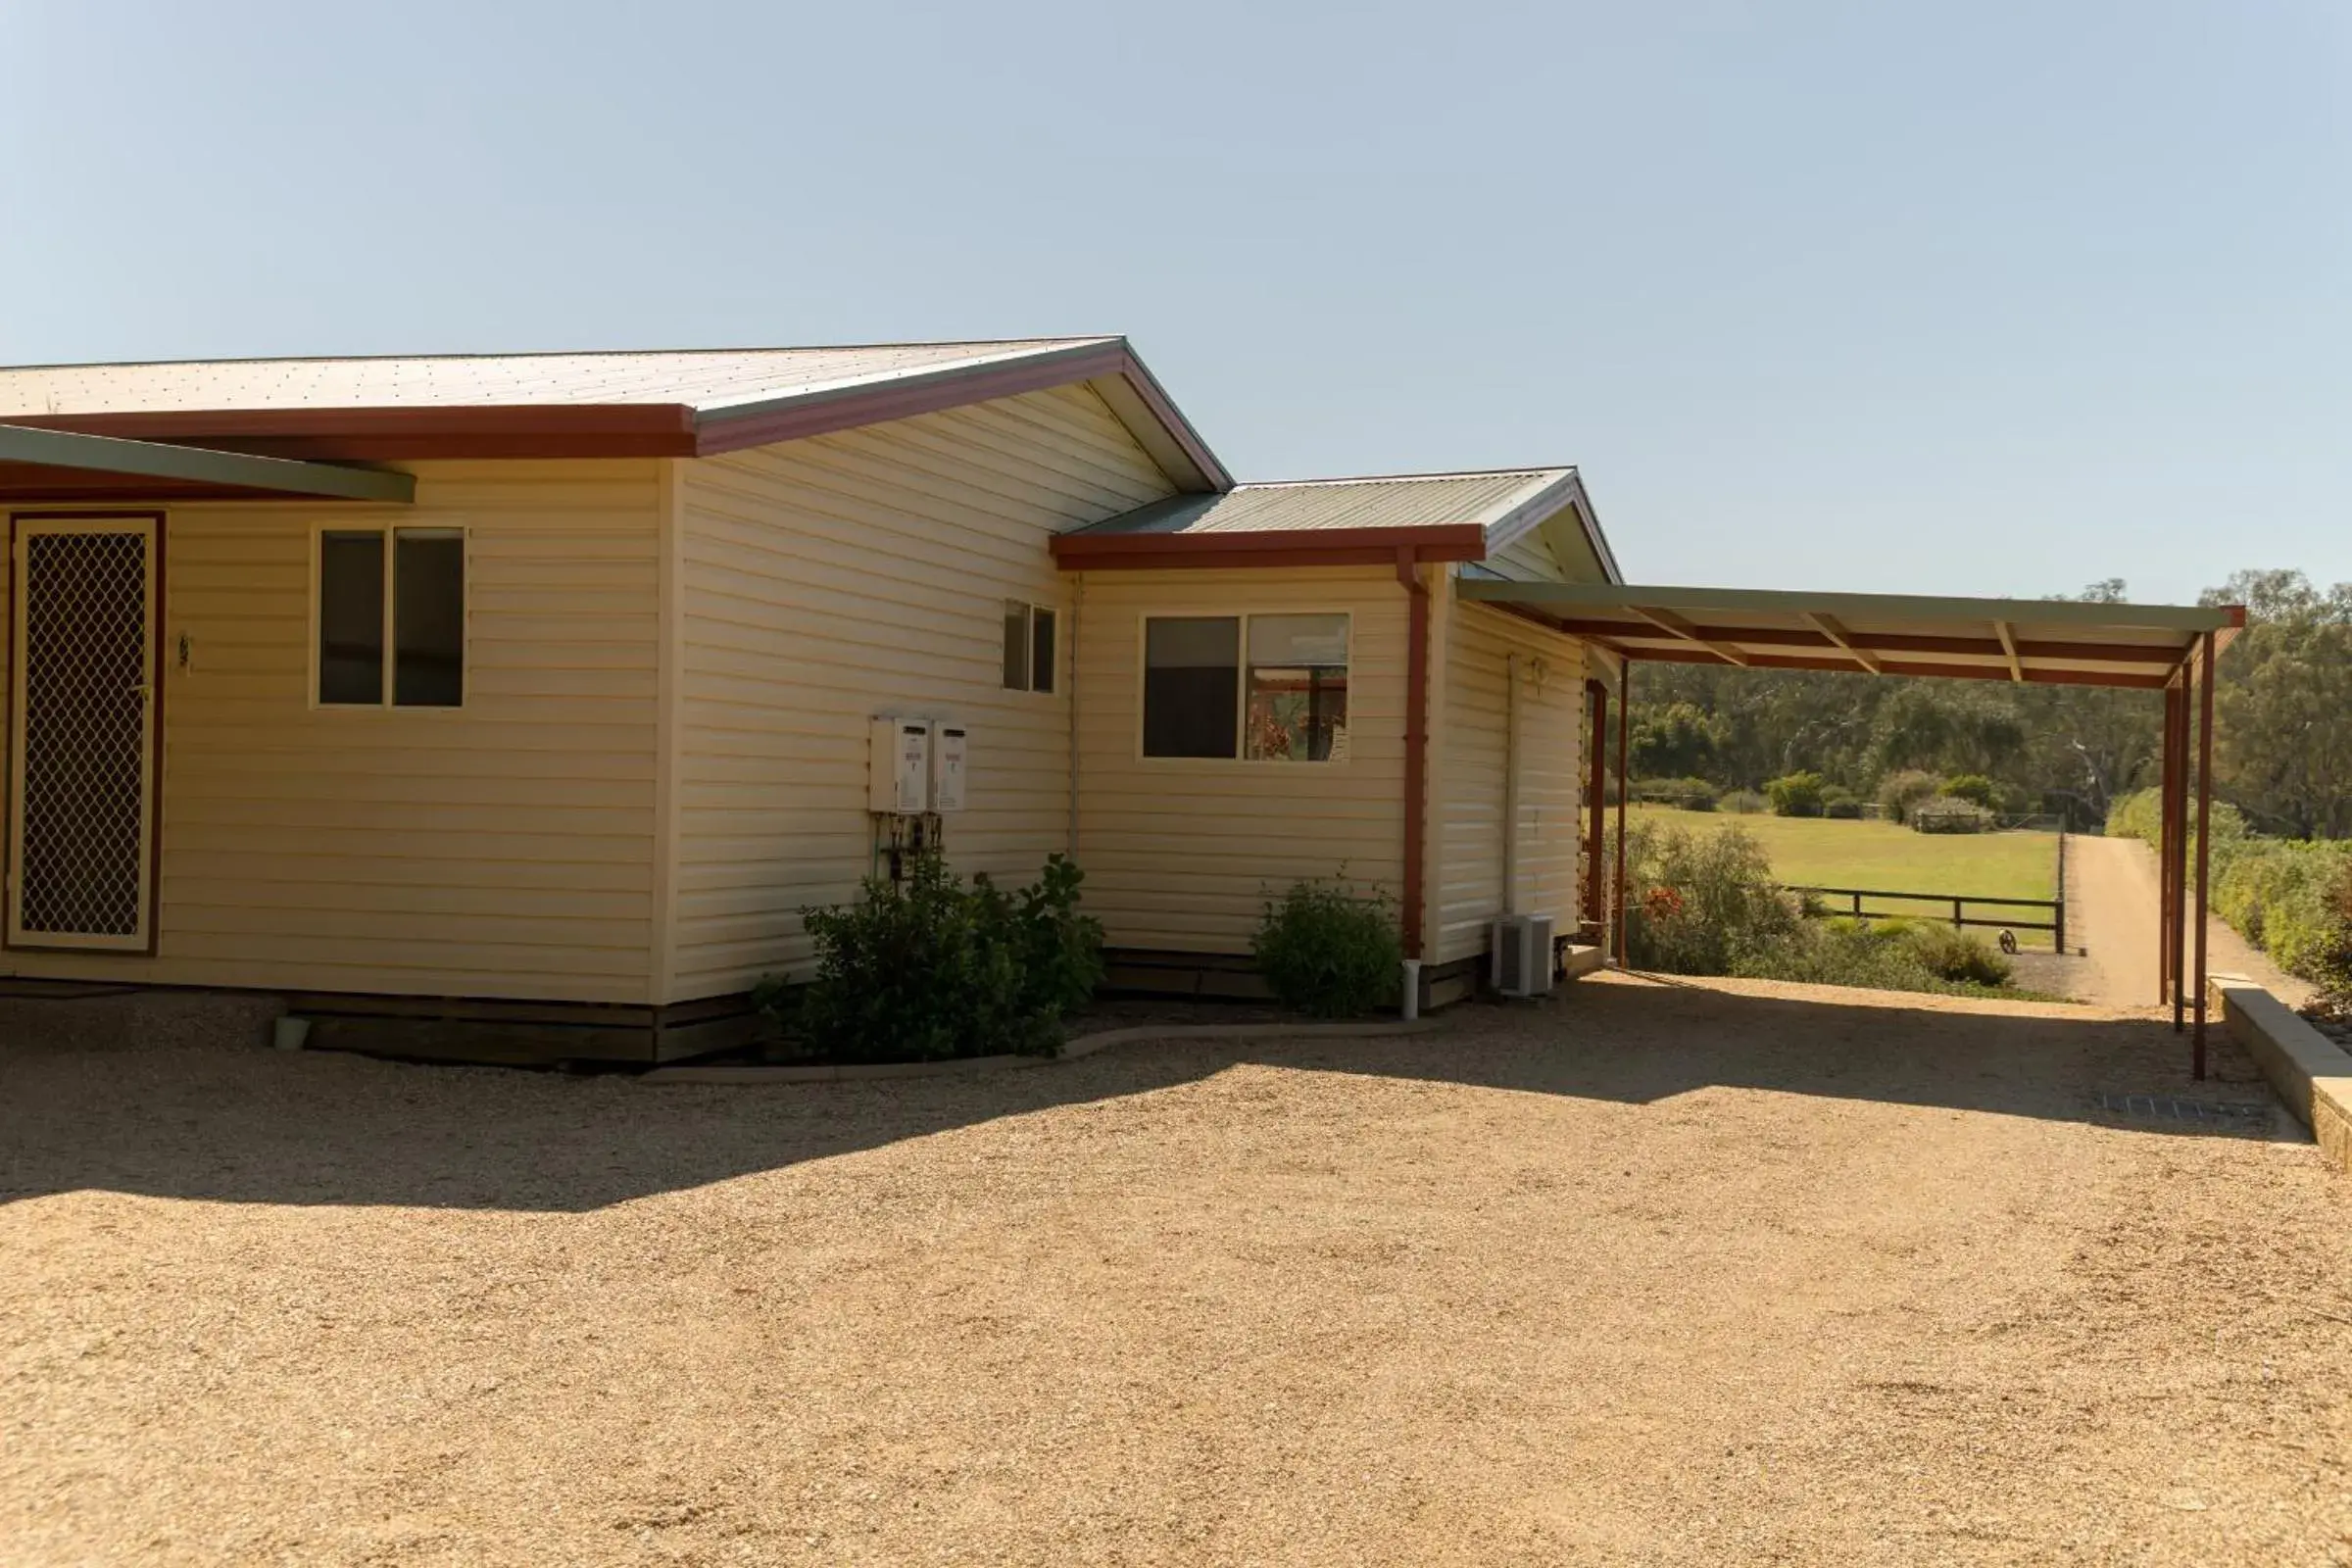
pixel 84 805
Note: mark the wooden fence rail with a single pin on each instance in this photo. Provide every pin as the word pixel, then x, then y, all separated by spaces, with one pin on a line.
pixel 2055 926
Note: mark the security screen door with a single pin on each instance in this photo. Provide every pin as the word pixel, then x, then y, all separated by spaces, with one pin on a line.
pixel 81 732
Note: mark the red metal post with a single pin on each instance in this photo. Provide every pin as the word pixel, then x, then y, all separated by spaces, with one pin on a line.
pixel 1624 709
pixel 2175 918
pixel 2205 660
pixel 2167 844
pixel 1596 813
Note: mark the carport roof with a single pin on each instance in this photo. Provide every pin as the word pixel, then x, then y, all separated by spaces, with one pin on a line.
pixel 2044 640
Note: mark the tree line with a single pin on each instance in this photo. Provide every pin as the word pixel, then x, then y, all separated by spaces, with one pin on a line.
pixel 2282 700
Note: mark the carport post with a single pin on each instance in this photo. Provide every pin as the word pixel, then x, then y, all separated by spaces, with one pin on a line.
pixel 1625 709
pixel 1596 810
pixel 2205 659
pixel 2177 862
pixel 2167 841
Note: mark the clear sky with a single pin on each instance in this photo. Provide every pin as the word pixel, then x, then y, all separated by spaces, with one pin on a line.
pixel 1994 298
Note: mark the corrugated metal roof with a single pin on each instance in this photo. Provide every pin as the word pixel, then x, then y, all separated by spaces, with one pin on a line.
pixel 1390 501
pixel 704 379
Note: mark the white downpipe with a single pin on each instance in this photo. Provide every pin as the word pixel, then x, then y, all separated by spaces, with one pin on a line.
pixel 1412 989
pixel 1510 783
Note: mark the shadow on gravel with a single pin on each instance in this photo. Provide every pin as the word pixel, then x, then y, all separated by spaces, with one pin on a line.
pixel 137 1101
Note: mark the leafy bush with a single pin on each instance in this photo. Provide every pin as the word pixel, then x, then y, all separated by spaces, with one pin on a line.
pixel 1973 788
pixel 1847 810
pixel 1743 802
pixel 930 968
pixel 1794 794
pixel 1326 950
pixel 1900 791
pixel 1952 953
pixel 1690 794
pixel 1949 816
pixel 2136 815
pixel 1700 903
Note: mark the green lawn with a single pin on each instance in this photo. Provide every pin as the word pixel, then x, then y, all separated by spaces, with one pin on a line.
pixel 1885 856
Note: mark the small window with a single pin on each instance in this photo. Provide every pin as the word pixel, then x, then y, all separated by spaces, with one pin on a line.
pixel 1297 690
pixel 1028 647
pixel 1041 650
pixel 1192 666
pixel 1262 688
pixel 413 579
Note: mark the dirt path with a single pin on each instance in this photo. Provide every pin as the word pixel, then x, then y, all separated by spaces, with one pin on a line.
pixel 1691 1273
pixel 2111 909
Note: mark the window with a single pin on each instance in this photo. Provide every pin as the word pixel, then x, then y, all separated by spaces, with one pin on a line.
pixel 1264 688
pixel 1028 647
pixel 1297 688
pixel 408 581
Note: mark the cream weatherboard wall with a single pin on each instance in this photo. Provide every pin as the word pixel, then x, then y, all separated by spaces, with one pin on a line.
pixel 1468 804
pixel 830 580
pixel 504 848
pixel 1180 854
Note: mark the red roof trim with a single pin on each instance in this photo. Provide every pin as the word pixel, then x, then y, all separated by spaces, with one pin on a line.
pixel 1295 546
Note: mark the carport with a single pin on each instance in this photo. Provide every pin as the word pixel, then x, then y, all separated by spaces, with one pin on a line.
pixel 2159 648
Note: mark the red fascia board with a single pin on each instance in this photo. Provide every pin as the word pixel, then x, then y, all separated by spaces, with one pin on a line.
pixel 382 434
pixel 1299 547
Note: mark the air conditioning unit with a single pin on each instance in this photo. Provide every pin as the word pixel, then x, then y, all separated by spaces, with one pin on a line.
pixel 1522 955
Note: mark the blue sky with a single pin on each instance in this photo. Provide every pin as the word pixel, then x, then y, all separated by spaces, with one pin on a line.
pixel 1985 299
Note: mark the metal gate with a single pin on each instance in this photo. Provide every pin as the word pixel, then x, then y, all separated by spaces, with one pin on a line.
pixel 81 732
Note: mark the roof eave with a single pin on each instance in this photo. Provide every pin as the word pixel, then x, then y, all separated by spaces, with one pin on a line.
pixel 1270 549
pixel 1109 364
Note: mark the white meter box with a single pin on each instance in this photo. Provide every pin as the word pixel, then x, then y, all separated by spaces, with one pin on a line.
pixel 949 764
pixel 898 766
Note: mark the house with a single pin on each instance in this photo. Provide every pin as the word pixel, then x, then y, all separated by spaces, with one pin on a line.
pixel 522 703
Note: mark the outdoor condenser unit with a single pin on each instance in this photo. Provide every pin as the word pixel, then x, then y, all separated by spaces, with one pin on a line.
pixel 1522 955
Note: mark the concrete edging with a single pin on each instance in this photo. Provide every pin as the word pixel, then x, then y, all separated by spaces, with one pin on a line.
pixel 2312 1076
pixel 1083 1045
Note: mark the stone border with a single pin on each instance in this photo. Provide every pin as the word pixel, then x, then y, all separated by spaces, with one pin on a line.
pixel 1083 1045
pixel 2312 1076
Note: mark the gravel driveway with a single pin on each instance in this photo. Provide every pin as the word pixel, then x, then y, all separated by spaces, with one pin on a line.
pixel 1690 1273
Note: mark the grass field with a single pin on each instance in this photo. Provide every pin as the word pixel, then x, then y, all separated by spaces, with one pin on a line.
pixel 1820 853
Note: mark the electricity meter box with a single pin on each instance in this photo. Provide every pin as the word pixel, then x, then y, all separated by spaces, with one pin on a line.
pixel 899 767
pixel 948 761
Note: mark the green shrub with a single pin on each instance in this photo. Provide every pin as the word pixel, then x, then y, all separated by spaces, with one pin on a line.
pixel 1326 950
pixel 930 968
pixel 1689 794
pixel 1973 788
pixel 1900 791
pixel 1951 954
pixel 2136 815
pixel 1744 802
pixel 1794 794
pixel 1700 904
pixel 1949 816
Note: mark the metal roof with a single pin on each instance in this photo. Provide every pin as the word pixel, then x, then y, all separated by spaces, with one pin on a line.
pixel 707 380
pixel 1387 500
pixel 2052 641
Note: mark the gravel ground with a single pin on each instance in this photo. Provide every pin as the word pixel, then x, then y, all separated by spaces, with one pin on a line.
pixel 1654 1273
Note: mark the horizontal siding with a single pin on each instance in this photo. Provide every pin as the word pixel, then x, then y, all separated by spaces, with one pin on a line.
pixel 1182 853
pixel 1527 559
pixel 1469 876
pixel 831 579
pixel 502 850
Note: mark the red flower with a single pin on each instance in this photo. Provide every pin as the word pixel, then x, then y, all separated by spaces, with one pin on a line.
pixel 1662 904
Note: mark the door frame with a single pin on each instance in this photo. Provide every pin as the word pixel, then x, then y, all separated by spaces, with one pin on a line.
pixel 11 764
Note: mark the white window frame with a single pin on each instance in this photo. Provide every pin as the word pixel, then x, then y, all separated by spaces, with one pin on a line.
pixel 390 530
pixel 1241 687
pixel 1029 611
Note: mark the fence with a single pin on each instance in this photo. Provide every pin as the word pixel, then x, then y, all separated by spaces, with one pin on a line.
pixel 1959 905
